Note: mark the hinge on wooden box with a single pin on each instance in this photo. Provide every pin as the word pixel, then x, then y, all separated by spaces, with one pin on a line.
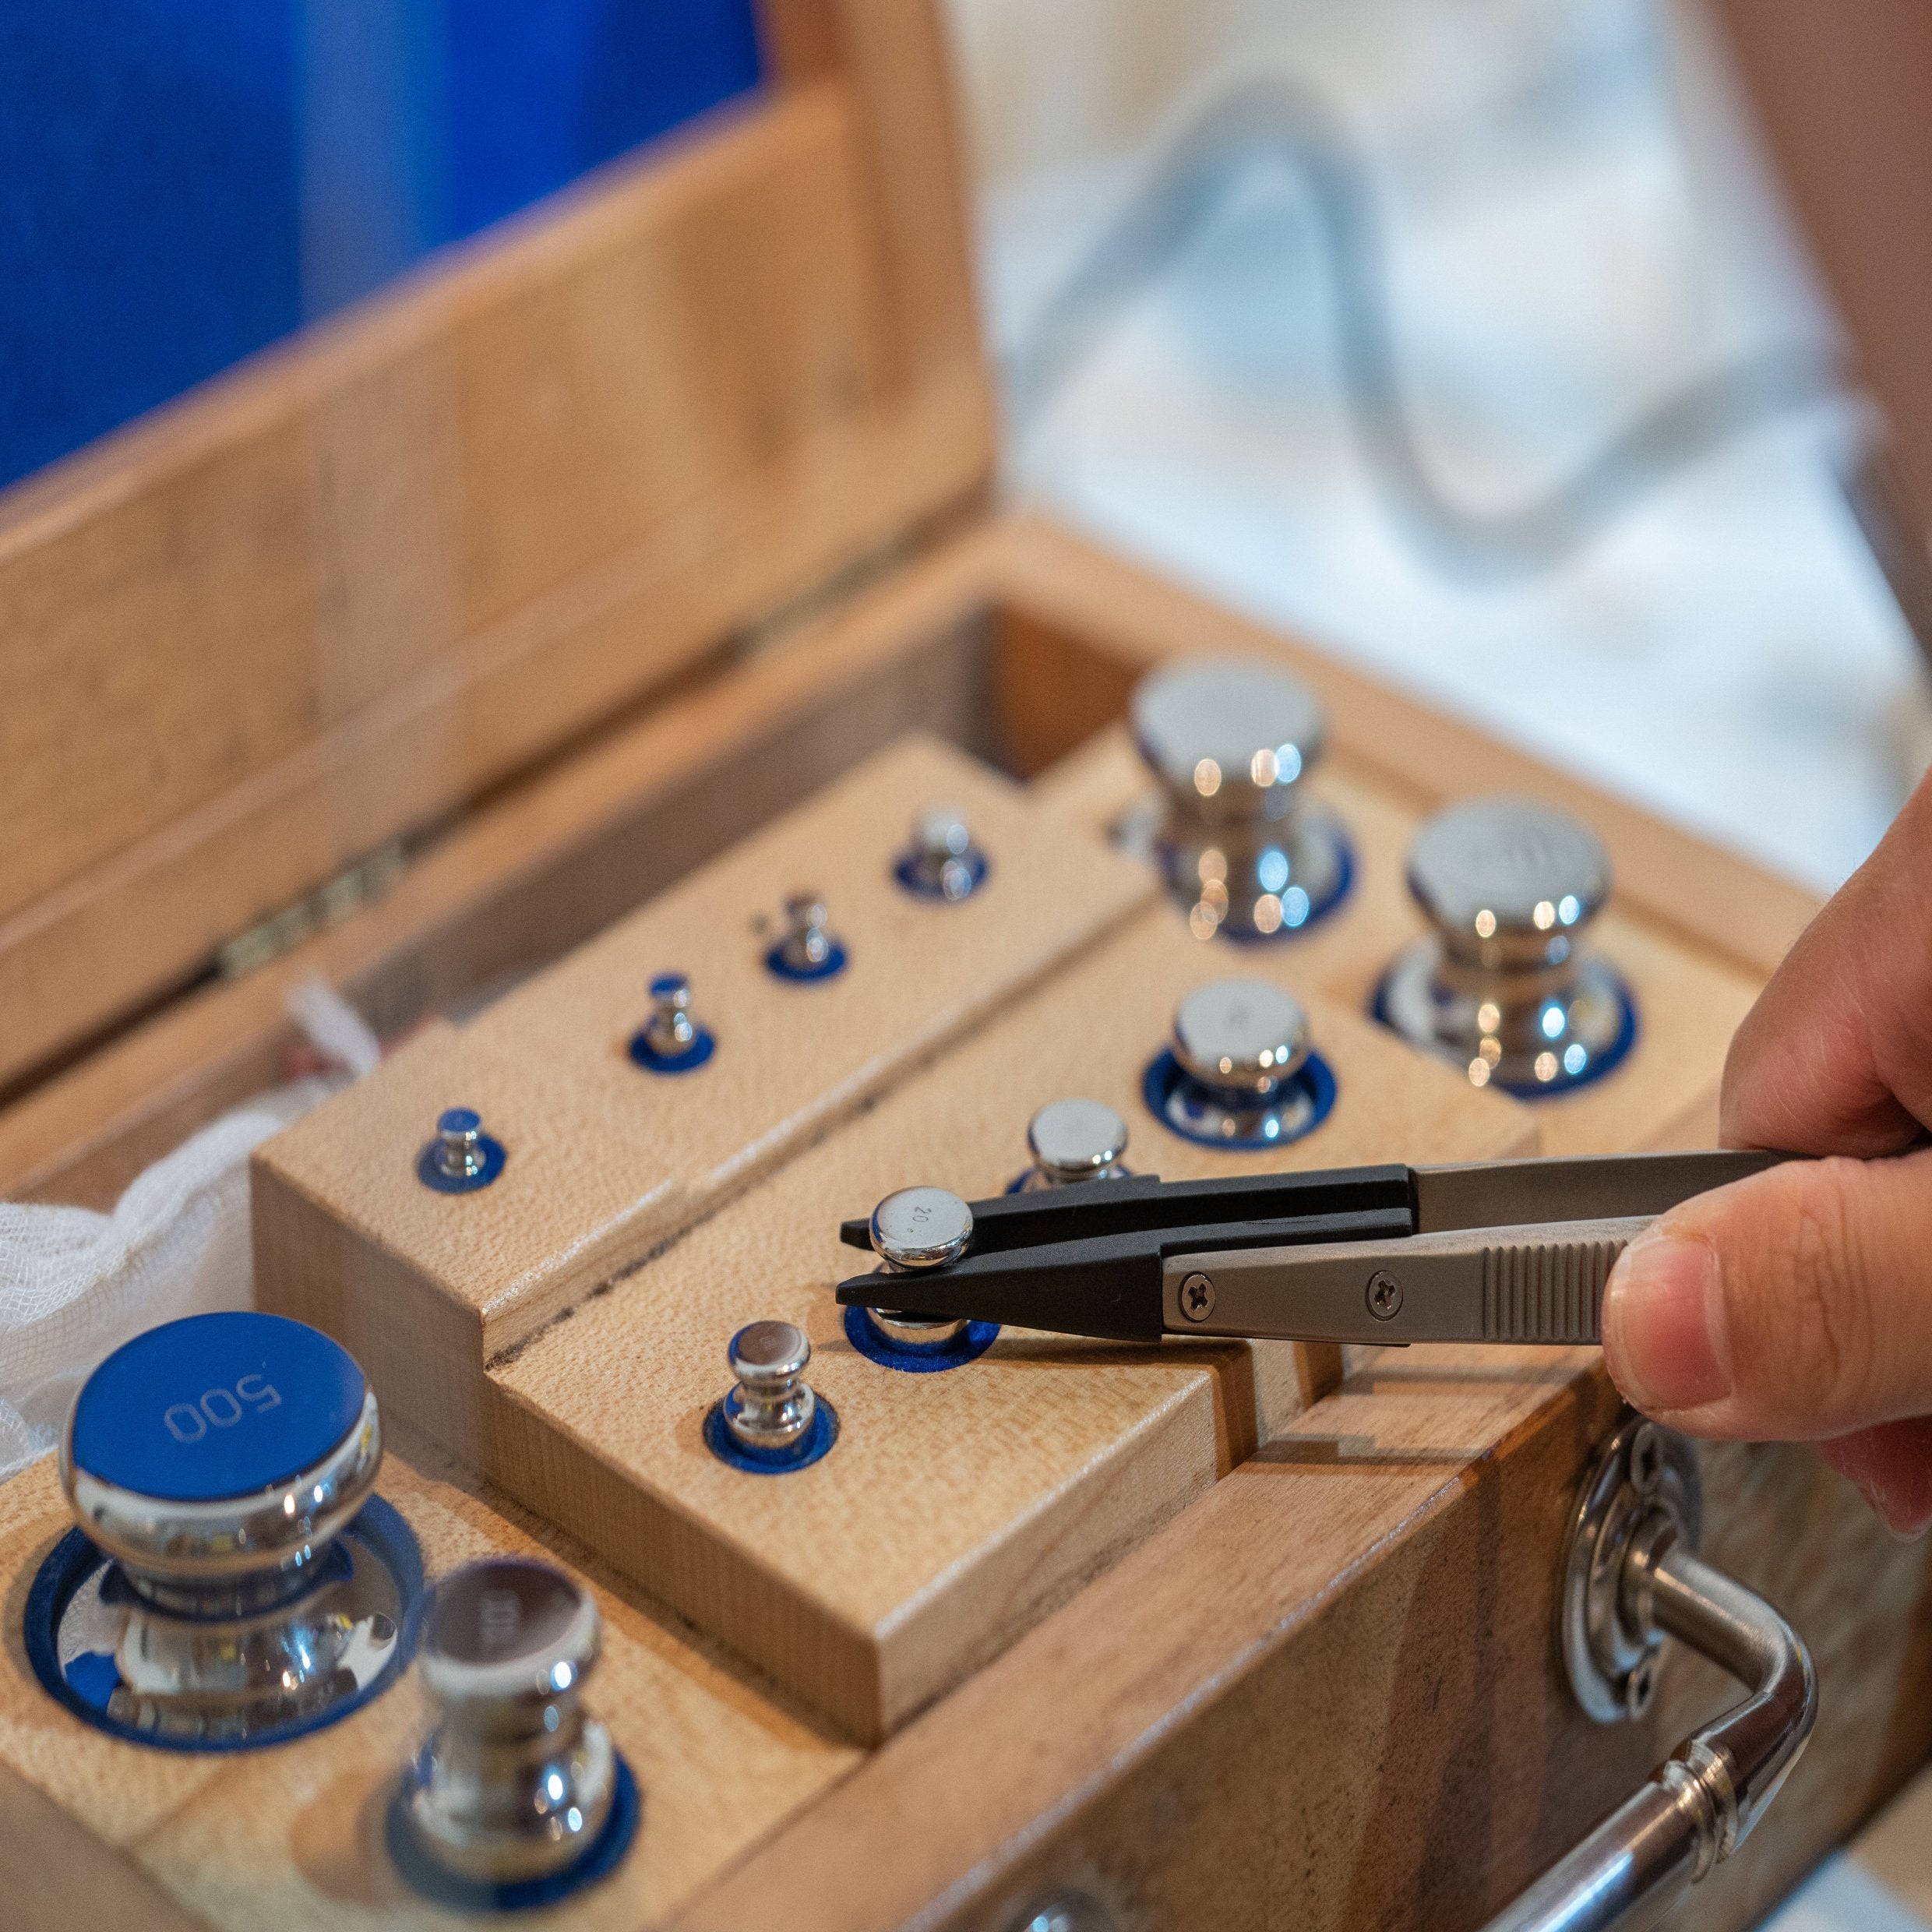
pixel 367 878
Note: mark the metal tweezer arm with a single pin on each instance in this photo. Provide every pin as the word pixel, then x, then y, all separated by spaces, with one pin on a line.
pixel 1512 1251
pixel 1534 1284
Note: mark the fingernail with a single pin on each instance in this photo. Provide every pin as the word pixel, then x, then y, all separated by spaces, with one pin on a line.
pixel 1663 1324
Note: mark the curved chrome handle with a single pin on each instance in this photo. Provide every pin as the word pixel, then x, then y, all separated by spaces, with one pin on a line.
pixel 1632 1576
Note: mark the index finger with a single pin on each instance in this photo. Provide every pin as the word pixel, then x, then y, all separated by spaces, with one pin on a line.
pixel 1836 1056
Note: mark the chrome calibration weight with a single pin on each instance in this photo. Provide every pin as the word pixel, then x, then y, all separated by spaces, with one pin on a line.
pixel 519 1795
pixel 943 861
pixel 1240 1070
pixel 808 950
pixel 912 1230
pixel 1241 845
pixel 671 1041
pixel 1073 1141
pixel 1502 987
pixel 233 1581
pixel 772 1420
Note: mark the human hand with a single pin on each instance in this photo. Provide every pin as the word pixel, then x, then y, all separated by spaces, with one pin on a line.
pixel 1797 1305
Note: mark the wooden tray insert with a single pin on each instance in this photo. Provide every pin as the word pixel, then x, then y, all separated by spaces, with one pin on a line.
pixel 293 1837
pixel 604 1160
pixel 956 1507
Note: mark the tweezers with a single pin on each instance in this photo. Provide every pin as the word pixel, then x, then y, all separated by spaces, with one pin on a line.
pixel 1493 1251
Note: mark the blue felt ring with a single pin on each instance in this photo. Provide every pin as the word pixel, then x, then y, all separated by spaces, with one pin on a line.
pixel 694 1056
pixel 1607 1061
pixel 378 1525
pixel 1314 1076
pixel 429 1171
pixel 801 1454
pixel 919 1359
pixel 833 962
pixel 908 874
pixel 600 1858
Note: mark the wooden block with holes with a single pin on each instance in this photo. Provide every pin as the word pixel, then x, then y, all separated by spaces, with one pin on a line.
pixel 294 1837
pixel 605 1158
pixel 956 1507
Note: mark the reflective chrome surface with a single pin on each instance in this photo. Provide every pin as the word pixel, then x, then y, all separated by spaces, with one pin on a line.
pixel 1502 988
pixel 1631 1562
pixel 459 1144
pixel 773 1406
pixel 228 1618
pixel 807 946
pixel 670 1030
pixel 517 1782
pixel 462 1158
pixel 943 861
pixel 1074 1140
pixel 1230 741
pixel 224 1678
pixel 1065 1912
pixel 1239 1042
pixel 235 1554
pixel 1647 1475
pixel 921 1227
pixel 913 1228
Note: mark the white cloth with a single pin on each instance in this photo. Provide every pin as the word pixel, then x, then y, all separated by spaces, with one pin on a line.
pixel 76 1284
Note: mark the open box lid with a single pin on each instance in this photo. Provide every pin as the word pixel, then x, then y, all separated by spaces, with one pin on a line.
pixel 327 598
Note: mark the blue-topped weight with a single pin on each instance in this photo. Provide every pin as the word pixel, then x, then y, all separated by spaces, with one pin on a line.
pixel 671 1042
pixel 943 861
pixel 238 1581
pixel 213 1407
pixel 808 951
pixel 462 1158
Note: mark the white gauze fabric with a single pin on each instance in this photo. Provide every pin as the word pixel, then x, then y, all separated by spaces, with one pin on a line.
pixel 76 1284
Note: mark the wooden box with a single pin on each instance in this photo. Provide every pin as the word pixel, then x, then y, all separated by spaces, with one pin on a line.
pixel 594 583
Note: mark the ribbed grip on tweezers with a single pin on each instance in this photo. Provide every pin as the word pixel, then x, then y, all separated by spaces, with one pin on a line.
pixel 1547 1290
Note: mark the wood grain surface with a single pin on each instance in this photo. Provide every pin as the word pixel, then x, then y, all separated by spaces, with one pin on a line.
pixel 379 566
pixel 978 636
pixel 1362 1721
pixel 955 1508
pixel 292 1837
pixel 604 1159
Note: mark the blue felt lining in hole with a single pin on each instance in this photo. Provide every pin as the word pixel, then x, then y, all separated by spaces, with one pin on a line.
pixel 1600 1064
pixel 1315 1077
pixel 73 1559
pixel 429 1170
pixel 833 962
pixel 968 1345
pixel 600 1859
pixel 688 1062
pixel 807 1450
pixel 908 874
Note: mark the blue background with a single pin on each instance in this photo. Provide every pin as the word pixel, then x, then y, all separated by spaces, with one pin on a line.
pixel 182 182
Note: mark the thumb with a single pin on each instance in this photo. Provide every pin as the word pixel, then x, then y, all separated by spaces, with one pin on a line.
pixel 1793 1305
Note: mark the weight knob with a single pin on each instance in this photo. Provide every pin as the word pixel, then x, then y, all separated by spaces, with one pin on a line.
pixel 215 1464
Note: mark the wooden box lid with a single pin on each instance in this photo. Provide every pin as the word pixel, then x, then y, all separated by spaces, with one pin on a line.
pixel 327 598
